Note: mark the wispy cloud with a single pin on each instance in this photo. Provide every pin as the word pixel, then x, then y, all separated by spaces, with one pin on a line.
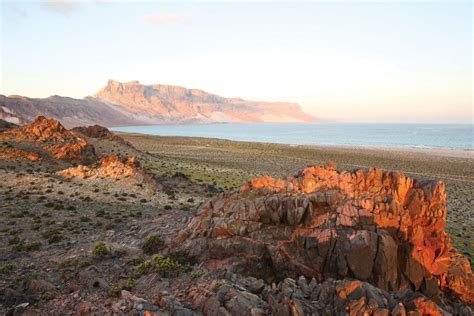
pixel 20 13
pixel 161 18
pixel 63 7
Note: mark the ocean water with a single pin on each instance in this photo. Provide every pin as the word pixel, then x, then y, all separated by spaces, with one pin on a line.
pixel 459 136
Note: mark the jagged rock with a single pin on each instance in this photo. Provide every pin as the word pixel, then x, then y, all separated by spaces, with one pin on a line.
pixel 114 167
pixel 99 132
pixel 42 130
pixel 330 297
pixel 75 151
pixel 17 154
pixel 375 226
pixel 56 139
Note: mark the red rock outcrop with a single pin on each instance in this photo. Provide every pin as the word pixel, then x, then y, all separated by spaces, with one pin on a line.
pixel 42 130
pixel 114 167
pixel 17 154
pixel 99 132
pixel 54 138
pixel 380 227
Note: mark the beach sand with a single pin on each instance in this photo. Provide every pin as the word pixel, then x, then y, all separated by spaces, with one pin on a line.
pixel 228 163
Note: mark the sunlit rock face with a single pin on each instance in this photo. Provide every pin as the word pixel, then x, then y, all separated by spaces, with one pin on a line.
pixel 127 170
pixel 173 103
pixel 53 138
pixel 17 154
pixel 376 226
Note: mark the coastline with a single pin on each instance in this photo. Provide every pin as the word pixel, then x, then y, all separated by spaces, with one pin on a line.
pixel 436 151
pixel 441 139
pixel 441 151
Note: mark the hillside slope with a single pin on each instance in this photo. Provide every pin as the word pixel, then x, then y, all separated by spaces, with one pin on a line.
pixel 121 104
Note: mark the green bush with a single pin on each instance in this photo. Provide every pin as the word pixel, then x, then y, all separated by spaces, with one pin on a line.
pixel 100 250
pixel 47 296
pixel 6 268
pixel 196 274
pixel 21 246
pixel 152 244
pixel 85 263
pixel 53 235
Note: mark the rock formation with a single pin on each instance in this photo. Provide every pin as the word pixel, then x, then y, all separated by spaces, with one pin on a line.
pixel 131 103
pixel 172 103
pixel 115 167
pixel 17 154
pixel 249 296
pixel 70 112
pixel 379 227
pixel 53 138
pixel 99 132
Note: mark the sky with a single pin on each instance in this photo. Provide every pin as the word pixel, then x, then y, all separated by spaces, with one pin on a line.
pixel 345 61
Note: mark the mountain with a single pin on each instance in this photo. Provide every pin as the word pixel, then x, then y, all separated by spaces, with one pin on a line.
pixel 172 103
pixel 71 112
pixel 131 103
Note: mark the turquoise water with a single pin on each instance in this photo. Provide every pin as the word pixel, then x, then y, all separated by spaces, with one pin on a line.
pixel 459 136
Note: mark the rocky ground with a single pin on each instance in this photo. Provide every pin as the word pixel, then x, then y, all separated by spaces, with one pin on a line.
pixel 108 242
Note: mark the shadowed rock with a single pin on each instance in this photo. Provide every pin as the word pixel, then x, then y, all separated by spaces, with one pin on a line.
pixel 99 132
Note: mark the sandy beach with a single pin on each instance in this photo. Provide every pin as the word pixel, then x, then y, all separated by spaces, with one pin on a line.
pixel 228 163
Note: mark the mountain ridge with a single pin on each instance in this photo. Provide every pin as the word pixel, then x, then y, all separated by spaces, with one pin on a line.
pixel 132 103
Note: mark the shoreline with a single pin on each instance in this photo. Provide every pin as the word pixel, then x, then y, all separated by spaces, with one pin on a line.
pixel 442 151
pixel 432 151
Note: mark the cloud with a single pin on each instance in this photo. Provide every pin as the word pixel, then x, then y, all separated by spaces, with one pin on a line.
pixel 161 18
pixel 20 13
pixel 63 7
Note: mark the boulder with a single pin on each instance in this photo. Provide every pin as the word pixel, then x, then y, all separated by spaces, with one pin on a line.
pixel 371 225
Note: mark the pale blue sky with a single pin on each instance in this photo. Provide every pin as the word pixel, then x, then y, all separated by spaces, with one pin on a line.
pixel 346 60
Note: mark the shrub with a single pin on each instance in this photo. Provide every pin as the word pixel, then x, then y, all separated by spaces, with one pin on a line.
pixel 128 285
pixel 135 261
pixel 13 241
pixel 152 244
pixel 196 274
pixel 115 291
pixel 85 263
pixel 6 268
pixel 166 266
pixel 46 296
pixel 21 246
pixel 100 250
pixel 216 286
pixel 144 267
pixel 53 235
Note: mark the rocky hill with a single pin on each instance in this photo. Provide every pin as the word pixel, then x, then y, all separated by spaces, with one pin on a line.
pixel 121 104
pixel 49 136
pixel 178 104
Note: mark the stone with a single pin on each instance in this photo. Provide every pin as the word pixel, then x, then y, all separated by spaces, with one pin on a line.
pixel 372 225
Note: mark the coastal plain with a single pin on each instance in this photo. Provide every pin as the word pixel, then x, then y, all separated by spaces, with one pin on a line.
pixel 228 163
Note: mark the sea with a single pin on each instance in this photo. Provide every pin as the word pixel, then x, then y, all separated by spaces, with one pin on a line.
pixel 434 136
